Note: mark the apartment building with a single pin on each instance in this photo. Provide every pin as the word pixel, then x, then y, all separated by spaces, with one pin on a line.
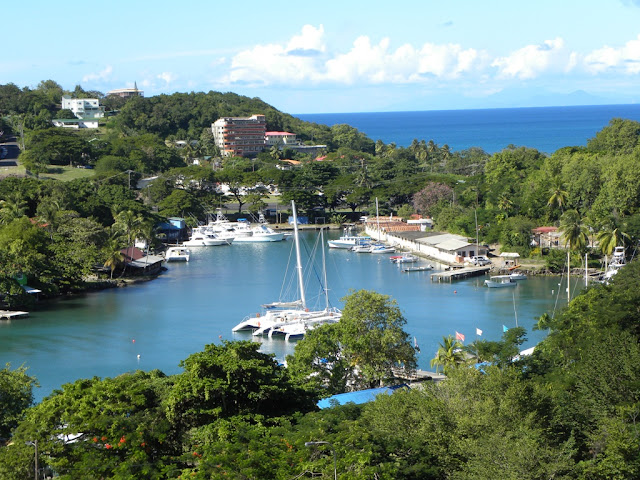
pixel 240 136
pixel 83 107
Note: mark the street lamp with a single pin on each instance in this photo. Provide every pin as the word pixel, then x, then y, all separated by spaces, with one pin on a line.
pixel 35 444
pixel 335 460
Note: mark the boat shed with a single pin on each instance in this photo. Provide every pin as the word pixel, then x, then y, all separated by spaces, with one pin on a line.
pixel 359 397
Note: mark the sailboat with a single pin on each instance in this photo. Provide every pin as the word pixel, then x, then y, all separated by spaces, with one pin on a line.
pixel 291 319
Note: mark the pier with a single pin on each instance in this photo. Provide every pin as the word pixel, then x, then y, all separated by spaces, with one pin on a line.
pixel 8 315
pixel 459 273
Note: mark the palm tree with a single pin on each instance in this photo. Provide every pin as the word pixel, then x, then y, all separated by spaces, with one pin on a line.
pixel 114 255
pixel 611 237
pixel 575 237
pixel 558 195
pixel 449 354
pixel 12 208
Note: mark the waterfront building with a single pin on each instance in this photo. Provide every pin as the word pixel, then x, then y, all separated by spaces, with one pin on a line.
pixel 83 107
pixel 127 92
pixel 240 136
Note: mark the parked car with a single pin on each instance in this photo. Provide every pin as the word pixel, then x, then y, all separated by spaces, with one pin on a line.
pixel 480 260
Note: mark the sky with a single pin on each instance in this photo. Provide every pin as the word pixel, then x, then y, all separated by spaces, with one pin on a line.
pixel 334 56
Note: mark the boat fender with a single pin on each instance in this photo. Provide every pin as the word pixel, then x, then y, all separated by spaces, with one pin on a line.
pixel 306 309
pixel 258 324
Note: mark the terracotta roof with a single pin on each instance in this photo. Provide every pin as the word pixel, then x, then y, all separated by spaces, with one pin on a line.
pixel 272 134
pixel 545 229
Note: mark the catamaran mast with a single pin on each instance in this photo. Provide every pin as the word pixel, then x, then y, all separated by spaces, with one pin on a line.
pixel 298 259
pixel 324 271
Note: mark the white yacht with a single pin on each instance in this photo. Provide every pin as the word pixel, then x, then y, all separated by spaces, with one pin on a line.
pixel 262 233
pixel 202 238
pixel 500 281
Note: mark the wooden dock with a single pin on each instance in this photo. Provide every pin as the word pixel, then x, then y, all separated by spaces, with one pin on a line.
pixel 8 314
pixel 459 273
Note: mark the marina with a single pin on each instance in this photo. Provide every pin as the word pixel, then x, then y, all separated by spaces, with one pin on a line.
pixel 459 273
pixel 199 302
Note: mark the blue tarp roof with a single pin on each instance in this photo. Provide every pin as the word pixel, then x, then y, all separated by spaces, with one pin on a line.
pixel 359 397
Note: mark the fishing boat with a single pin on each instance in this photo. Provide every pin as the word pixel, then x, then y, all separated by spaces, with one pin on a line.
pixel 500 281
pixel 177 254
pixel 618 261
pixel 202 238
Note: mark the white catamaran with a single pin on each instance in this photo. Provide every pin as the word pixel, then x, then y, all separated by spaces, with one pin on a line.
pixel 291 319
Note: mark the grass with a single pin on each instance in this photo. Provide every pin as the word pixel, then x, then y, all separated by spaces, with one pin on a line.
pixel 56 172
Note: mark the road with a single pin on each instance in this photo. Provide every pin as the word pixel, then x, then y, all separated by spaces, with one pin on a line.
pixel 9 152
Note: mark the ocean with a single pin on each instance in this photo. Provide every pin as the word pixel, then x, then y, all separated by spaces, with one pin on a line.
pixel 544 128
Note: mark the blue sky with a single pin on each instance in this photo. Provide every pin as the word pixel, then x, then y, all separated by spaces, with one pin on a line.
pixel 335 56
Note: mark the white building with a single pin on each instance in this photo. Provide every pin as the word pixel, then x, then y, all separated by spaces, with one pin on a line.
pixel 75 123
pixel 127 92
pixel 83 107
pixel 280 138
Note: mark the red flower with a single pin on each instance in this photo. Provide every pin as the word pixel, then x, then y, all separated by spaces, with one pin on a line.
pixel 103 438
pixel 122 439
pixel 107 446
pixel 95 439
pixel 143 444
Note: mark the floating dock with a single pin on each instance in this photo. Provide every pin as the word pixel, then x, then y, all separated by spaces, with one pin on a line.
pixel 8 314
pixel 459 273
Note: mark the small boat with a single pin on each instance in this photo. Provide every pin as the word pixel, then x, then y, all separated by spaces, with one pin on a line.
pixel 518 276
pixel 381 249
pixel 417 268
pixel 177 254
pixel 500 281
pixel 349 241
pixel 361 249
pixel 405 258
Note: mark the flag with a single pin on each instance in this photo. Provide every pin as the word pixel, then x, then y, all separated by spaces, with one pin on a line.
pixel 459 336
pixel 504 328
pixel 415 345
pixel 478 332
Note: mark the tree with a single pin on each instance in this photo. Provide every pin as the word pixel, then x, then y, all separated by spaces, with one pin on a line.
pixel 233 379
pixel 113 255
pixel 360 350
pixel 450 354
pixel 573 231
pixel 611 237
pixel 558 195
pixel 12 208
pixel 16 395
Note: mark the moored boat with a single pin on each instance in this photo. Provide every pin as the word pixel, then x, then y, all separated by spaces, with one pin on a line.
pixel 177 254
pixel 500 281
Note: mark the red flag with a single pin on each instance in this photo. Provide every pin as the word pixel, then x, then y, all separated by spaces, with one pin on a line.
pixel 459 336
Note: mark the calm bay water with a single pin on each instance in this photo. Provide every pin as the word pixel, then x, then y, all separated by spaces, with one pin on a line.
pixel 544 128
pixel 197 303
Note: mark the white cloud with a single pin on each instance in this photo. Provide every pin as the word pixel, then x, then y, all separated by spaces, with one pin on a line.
pixel 625 59
pixel 533 60
pixel 103 75
pixel 168 77
pixel 304 58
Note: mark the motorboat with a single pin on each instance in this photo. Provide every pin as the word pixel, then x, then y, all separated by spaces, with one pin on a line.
pixel 618 260
pixel 405 258
pixel 221 226
pixel 417 268
pixel 261 233
pixel 202 238
pixel 500 281
pixel 361 248
pixel 518 276
pixel 349 241
pixel 382 249
pixel 177 254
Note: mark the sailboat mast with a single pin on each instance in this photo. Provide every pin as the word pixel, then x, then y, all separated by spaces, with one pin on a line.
pixel 298 259
pixel 378 221
pixel 324 270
